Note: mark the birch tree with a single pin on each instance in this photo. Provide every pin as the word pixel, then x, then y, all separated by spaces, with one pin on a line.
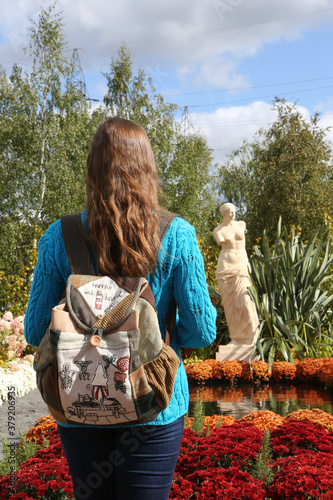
pixel 45 131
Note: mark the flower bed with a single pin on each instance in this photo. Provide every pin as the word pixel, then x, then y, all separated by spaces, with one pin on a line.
pixel 15 364
pixel 227 460
pixel 309 369
pixel 221 465
pixel 23 379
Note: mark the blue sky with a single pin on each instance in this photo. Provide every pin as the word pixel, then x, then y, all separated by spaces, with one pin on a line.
pixel 224 59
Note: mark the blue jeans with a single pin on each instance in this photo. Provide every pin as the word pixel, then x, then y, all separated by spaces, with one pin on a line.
pixel 133 463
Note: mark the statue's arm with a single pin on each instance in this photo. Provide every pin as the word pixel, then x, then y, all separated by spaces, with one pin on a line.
pixel 217 233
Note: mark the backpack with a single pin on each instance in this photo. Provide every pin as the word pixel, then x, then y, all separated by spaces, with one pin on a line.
pixel 102 360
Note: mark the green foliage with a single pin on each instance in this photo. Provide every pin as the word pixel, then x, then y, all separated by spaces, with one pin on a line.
pixel 210 253
pixel 285 171
pixel 45 131
pixel 185 182
pixel 133 96
pixel 222 333
pixel 325 349
pixel 288 292
pixel 262 468
pixel 15 288
pixel 25 450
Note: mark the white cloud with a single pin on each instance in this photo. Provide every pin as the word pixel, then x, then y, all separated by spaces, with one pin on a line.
pixel 216 71
pixel 226 128
pixel 191 36
pixel 200 43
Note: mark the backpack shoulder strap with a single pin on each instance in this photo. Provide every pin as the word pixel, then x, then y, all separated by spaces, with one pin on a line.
pixel 165 219
pixel 76 245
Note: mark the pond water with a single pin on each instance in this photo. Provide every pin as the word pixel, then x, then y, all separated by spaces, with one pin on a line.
pixel 242 400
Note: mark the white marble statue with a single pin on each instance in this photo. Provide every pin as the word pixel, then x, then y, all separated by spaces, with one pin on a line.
pixel 233 280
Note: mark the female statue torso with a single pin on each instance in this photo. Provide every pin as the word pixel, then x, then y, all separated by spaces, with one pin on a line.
pixel 231 237
pixel 233 278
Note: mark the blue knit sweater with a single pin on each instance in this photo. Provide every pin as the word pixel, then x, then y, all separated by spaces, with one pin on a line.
pixel 180 273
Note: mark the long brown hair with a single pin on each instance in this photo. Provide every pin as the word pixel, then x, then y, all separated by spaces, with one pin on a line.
pixel 122 199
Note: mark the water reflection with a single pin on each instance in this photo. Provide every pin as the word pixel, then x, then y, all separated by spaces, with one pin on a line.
pixel 240 401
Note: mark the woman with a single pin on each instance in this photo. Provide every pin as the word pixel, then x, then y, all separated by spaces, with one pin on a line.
pixel 233 278
pixel 121 219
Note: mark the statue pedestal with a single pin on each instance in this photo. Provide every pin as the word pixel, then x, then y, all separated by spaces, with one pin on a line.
pixel 239 352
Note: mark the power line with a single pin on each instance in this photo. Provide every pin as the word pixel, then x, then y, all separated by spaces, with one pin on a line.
pixel 228 124
pixel 257 97
pixel 233 89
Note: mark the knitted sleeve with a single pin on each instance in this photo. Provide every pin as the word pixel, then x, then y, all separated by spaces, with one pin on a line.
pixel 181 275
pixel 196 326
pixel 49 283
